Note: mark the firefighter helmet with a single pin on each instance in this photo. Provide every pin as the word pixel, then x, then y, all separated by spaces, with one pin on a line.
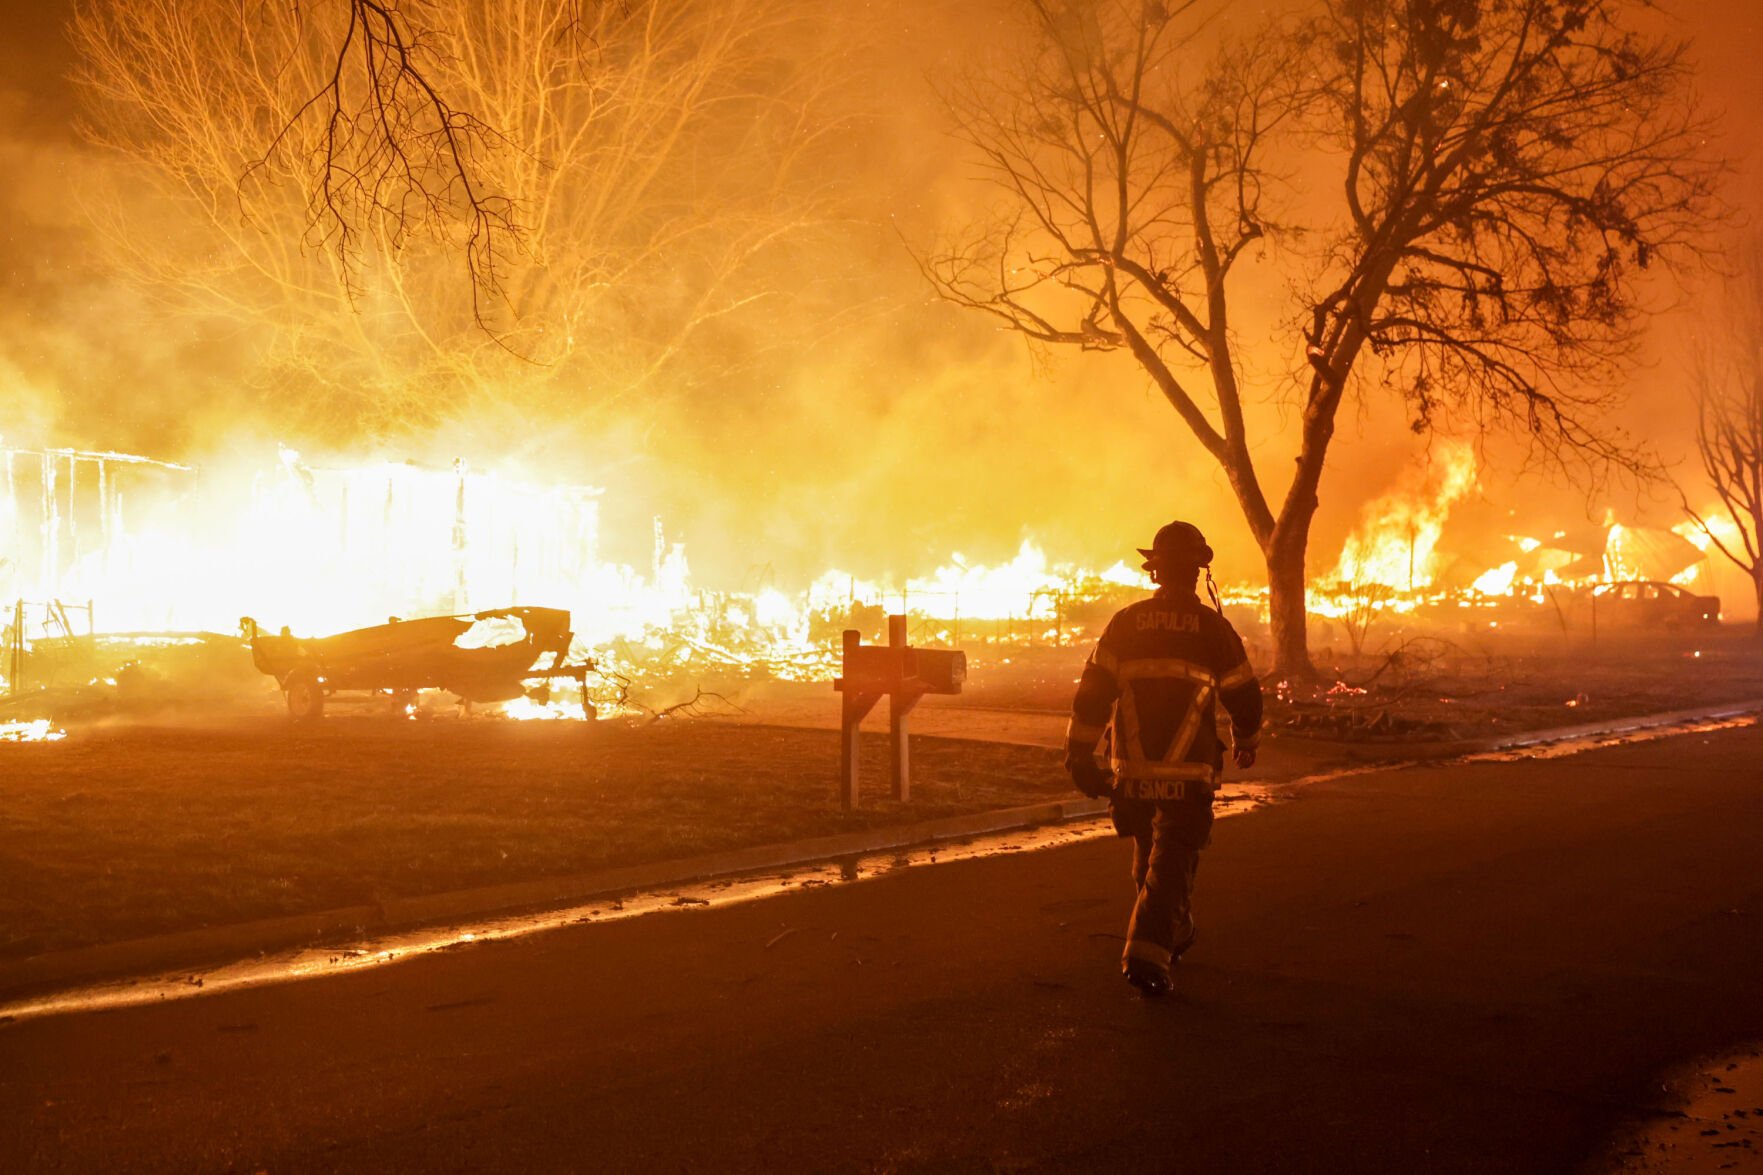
pixel 1179 543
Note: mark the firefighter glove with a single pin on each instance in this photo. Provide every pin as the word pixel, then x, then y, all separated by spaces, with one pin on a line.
pixel 1090 779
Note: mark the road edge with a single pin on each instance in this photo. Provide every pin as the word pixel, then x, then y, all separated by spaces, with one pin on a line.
pixel 194 948
pixel 208 945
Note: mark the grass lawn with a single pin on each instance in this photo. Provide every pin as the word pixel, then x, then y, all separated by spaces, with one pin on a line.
pixel 127 831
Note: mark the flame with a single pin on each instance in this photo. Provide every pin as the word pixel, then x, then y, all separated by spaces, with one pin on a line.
pixel 325 549
pixel 1715 525
pixel 1026 588
pixel 528 710
pixel 1617 563
pixel 40 730
pixel 1396 542
pixel 1497 581
pixel 1695 535
pixel 154 547
pixel 1719 525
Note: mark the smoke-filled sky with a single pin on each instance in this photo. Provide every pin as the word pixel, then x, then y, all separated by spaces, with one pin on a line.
pixel 849 421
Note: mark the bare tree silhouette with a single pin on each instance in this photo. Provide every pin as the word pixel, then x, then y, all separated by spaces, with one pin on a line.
pixel 1727 375
pixel 1504 172
pixel 615 177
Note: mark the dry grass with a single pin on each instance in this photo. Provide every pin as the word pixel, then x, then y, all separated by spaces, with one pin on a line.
pixel 130 831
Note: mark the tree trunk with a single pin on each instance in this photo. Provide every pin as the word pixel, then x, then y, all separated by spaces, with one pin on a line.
pixel 1757 583
pixel 1286 611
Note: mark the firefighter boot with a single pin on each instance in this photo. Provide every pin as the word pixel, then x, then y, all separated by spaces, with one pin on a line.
pixel 1151 980
pixel 1184 940
pixel 1162 925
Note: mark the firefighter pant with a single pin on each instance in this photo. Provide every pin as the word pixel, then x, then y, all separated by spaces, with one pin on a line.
pixel 1167 839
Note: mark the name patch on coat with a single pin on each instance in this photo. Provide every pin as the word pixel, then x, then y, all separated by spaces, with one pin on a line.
pixel 1169 621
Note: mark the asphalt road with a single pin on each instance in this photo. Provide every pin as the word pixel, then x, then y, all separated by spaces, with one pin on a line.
pixel 1464 968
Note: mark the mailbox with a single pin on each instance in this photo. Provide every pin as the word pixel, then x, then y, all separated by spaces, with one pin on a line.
pixel 902 673
pixel 884 668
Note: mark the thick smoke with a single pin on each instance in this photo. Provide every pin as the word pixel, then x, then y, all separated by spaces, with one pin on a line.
pixel 839 418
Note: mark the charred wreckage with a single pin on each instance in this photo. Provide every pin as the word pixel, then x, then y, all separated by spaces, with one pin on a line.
pixel 491 656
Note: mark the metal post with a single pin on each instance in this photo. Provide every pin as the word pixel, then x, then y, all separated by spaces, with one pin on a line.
pixel 73 508
pixel 15 668
pixel 848 731
pixel 1411 538
pixel 850 728
pixel 900 703
pixel 853 705
pixel 905 675
pixel 46 579
pixel 461 591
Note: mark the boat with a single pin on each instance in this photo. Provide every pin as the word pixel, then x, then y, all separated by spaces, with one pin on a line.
pixel 488 656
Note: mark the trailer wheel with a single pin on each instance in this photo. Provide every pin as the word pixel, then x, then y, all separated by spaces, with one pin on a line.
pixel 305 695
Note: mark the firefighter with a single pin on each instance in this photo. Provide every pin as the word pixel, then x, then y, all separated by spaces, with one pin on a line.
pixel 1152 684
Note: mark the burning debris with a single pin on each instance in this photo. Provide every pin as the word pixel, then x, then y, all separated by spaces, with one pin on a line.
pixel 1401 573
pixel 486 657
pixel 40 730
pixel 170 553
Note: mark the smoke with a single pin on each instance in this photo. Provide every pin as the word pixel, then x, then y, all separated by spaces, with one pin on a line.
pixel 831 416
pixel 834 415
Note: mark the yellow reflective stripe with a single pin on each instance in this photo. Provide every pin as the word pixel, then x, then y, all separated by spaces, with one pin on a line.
pixel 1190 726
pixel 1126 708
pixel 1084 732
pixel 1126 724
pixel 1174 667
pixel 1104 659
pixel 1242 675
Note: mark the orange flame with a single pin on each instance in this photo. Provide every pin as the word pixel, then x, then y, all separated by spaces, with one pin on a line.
pixel 1396 542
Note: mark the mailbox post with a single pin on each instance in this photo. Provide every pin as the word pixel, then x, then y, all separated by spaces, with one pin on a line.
pixel 902 673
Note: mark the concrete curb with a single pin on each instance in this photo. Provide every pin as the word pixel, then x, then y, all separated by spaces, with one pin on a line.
pixel 1623 725
pixel 194 948
pixel 1373 754
pixel 557 890
pixel 166 951
pixel 224 943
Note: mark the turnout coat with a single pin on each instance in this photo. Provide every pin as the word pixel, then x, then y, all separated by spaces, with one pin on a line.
pixel 1153 683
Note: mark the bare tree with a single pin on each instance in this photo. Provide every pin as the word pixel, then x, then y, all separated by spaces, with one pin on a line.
pixel 362 124
pixel 397 154
pixel 1361 604
pixel 616 175
pixel 1728 383
pixel 1504 170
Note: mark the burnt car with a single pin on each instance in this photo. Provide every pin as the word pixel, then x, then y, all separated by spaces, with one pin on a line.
pixel 1649 604
pixel 479 657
